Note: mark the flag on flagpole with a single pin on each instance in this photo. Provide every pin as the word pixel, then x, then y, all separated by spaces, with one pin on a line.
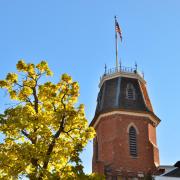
pixel 118 30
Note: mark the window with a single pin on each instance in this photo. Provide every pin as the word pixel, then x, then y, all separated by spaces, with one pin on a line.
pixel 130 92
pixel 133 141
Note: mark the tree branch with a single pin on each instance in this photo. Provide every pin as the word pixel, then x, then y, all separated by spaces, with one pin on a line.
pixel 51 146
pixel 28 136
pixel 56 136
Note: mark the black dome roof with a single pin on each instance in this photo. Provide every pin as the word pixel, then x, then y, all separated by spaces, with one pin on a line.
pixel 113 95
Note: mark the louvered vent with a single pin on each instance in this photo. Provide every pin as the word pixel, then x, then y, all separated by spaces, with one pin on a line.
pixel 133 141
pixel 130 92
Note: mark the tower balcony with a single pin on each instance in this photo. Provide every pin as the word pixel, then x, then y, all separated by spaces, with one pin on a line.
pixel 121 71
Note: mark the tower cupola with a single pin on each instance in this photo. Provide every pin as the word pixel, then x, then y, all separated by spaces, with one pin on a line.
pixel 125 123
pixel 124 89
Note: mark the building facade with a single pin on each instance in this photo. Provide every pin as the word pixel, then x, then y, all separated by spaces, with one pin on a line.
pixel 125 143
pixel 169 172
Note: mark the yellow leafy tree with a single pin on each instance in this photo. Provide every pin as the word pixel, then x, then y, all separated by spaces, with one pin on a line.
pixel 45 131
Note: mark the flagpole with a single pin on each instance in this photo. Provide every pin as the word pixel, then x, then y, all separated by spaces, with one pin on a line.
pixel 116 44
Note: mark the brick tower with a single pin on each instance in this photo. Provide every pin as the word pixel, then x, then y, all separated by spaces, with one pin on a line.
pixel 125 143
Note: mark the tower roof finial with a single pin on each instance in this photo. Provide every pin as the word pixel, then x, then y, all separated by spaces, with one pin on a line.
pixel 136 66
pixel 105 69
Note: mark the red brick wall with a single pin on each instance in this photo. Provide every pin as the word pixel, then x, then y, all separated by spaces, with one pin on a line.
pixel 152 139
pixel 152 133
pixel 113 144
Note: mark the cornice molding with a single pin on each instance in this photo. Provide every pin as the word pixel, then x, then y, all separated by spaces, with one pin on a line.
pixel 121 74
pixel 154 120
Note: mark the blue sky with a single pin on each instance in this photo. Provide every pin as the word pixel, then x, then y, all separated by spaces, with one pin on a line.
pixel 77 37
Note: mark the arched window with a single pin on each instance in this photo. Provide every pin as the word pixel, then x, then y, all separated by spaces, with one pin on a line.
pixel 133 141
pixel 130 92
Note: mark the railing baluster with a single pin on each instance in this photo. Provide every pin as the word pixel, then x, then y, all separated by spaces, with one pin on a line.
pixel 122 69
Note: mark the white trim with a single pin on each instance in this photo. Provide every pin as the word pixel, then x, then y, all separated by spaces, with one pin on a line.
pixel 153 144
pixel 134 126
pixel 156 164
pixel 121 74
pixel 126 113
